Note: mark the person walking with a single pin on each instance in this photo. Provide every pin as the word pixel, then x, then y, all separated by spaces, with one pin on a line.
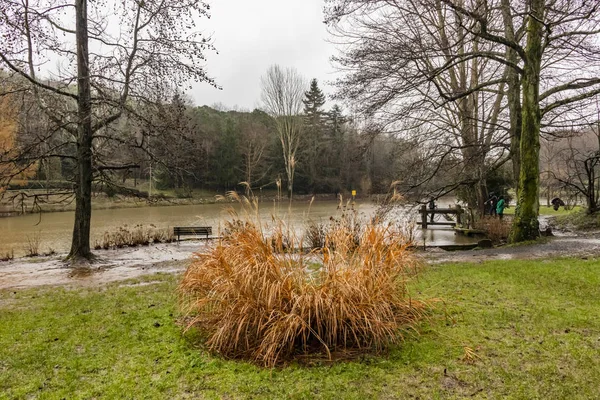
pixel 500 206
pixel 491 204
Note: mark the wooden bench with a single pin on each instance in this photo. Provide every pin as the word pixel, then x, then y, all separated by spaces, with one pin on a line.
pixel 192 231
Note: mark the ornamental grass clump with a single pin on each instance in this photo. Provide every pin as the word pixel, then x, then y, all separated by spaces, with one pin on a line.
pixel 260 298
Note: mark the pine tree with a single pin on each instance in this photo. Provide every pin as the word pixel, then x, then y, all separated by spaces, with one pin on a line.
pixel 335 121
pixel 313 101
pixel 337 152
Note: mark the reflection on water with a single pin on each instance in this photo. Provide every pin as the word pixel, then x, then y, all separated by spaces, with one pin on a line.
pixel 54 229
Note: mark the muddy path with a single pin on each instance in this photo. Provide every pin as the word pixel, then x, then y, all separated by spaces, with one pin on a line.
pixel 587 246
pixel 128 263
pixel 110 266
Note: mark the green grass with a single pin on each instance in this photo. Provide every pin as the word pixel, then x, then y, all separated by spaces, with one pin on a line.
pixel 544 210
pixel 534 327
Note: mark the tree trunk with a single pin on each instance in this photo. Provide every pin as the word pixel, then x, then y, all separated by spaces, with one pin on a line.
pixel 290 183
pixel 526 224
pixel 481 196
pixel 513 93
pixel 590 165
pixel 515 111
pixel 80 246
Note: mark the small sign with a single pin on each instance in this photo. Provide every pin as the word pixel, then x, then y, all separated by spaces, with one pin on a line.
pixel 353 193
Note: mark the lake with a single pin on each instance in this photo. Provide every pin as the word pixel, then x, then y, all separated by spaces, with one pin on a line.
pixel 55 229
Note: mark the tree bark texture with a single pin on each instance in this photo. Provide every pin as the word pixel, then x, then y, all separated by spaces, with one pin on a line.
pixel 525 224
pixel 513 92
pixel 80 246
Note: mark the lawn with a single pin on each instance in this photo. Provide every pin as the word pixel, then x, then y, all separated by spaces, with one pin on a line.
pixel 505 329
pixel 545 210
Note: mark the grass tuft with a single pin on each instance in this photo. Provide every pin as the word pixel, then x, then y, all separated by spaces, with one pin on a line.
pixel 138 235
pixel 7 255
pixel 260 297
pixel 32 247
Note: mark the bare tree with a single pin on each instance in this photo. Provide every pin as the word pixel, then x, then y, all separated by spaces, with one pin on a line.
pixel 538 40
pixel 282 95
pixel 578 164
pixel 561 36
pixel 401 68
pixel 110 60
pixel 549 160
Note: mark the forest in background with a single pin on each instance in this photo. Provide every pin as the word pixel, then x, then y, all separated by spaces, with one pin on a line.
pixel 183 147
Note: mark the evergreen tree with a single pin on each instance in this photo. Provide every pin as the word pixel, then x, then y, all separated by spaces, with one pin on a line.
pixel 336 152
pixel 226 156
pixel 335 121
pixel 313 101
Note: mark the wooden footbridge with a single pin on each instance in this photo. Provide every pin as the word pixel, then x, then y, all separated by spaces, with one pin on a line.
pixel 428 216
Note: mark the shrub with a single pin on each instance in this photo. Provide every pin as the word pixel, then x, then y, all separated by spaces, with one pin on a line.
pixel 264 300
pixel 183 193
pixel 315 234
pixel 496 229
pixel 138 235
pixel 32 247
pixel 7 255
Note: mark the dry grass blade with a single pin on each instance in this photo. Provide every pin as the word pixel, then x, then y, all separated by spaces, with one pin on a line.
pixel 469 356
pixel 261 298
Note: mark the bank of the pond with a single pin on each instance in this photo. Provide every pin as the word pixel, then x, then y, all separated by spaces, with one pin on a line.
pixel 13 206
pixel 505 329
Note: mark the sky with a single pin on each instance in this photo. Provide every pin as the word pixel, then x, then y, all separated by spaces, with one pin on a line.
pixel 250 36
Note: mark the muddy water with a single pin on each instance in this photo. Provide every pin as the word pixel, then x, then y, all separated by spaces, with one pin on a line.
pixel 54 229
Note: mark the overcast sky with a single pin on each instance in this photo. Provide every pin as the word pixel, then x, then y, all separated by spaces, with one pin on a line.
pixel 251 35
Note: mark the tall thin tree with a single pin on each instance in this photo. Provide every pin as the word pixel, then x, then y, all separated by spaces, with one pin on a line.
pixel 282 94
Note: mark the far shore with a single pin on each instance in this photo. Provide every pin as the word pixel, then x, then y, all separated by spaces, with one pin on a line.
pixel 102 202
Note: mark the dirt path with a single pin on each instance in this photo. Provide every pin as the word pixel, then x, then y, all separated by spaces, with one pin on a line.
pixel 122 264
